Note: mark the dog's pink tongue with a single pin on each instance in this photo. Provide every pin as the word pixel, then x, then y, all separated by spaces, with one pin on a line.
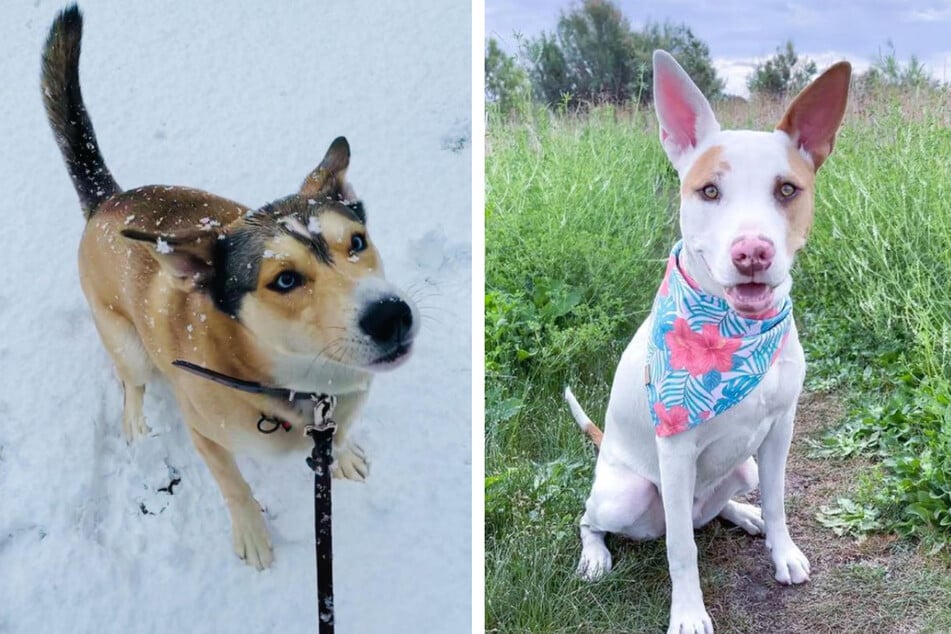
pixel 751 300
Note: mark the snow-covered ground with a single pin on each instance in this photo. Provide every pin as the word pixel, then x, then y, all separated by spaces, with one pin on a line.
pixel 240 99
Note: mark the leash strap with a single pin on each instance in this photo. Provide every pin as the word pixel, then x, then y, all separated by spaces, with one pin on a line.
pixel 320 460
pixel 245 386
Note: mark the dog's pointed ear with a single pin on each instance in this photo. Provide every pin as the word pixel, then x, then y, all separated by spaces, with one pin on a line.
pixel 329 179
pixel 685 116
pixel 187 256
pixel 814 116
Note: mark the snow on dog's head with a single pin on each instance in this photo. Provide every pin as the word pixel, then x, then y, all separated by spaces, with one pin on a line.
pixel 301 274
pixel 746 196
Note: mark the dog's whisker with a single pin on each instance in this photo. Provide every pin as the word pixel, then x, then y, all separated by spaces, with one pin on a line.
pixel 432 320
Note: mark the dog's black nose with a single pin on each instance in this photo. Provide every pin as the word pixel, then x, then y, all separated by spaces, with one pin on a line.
pixel 387 320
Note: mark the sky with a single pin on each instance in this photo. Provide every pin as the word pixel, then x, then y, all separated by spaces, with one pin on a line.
pixel 742 32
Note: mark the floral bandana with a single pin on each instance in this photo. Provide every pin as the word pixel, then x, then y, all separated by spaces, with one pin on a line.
pixel 703 358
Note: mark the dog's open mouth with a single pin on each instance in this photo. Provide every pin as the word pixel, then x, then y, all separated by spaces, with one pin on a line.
pixel 750 300
pixel 394 357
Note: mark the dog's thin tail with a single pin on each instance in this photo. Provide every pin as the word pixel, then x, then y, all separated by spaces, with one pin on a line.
pixel 588 427
pixel 67 113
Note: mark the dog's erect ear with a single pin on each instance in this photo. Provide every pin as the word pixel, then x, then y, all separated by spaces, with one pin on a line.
pixel 685 116
pixel 186 256
pixel 329 177
pixel 815 114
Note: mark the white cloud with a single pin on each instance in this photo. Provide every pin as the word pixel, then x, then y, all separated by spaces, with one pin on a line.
pixel 939 65
pixel 735 71
pixel 928 15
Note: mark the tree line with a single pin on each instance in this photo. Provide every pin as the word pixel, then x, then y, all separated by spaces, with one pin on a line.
pixel 593 56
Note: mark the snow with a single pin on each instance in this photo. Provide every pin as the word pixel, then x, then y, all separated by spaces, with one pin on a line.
pixel 208 223
pixel 241 102
pixel 313 225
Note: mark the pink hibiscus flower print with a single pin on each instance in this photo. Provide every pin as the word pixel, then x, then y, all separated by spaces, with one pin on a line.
pixel 699 352
pixel 671 421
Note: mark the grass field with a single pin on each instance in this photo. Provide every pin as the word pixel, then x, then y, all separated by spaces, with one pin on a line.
pixel 580 214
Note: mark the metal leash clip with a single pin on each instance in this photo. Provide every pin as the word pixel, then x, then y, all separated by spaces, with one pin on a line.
pixel 324 405
pixel 321 430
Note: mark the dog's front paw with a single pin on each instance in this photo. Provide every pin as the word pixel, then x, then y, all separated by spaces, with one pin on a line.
pixel 692 620
pixel 350 462
pixel 252 541
pixel 791 565
pixel 595 562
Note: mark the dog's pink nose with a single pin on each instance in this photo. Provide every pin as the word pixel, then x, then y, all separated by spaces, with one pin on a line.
pixel 751 255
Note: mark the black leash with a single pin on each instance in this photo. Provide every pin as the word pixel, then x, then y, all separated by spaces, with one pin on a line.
pixel 246 386
pixel 321 431
pixel 321 457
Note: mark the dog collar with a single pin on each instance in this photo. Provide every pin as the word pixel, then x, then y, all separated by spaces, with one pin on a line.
pixel 323 403
pixel 703 357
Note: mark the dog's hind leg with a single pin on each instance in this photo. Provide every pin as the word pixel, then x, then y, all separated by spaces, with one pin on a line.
pixel 742 480
pixel 595 559
pixel 132 365
pixel 623 502
pixel 252 542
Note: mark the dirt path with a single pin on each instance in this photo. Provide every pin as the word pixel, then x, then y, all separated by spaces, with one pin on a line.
pixel 878 585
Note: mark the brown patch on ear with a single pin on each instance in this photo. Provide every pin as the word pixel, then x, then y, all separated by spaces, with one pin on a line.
pixel 800 211
pixel 816 113
pixel 328 178
pixel 187 257
pixel 708 168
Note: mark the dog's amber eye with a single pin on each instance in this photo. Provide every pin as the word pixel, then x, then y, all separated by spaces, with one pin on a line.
pixel 358 242
pixel 286 281
pixel 786 191
pixel 710 191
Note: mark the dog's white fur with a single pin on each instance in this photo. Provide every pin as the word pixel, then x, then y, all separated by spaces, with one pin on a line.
pixel 647 486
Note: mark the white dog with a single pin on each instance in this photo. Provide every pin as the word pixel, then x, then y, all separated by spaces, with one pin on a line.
pixel 712 377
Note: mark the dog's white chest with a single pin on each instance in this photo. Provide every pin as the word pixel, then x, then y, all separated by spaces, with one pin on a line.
pixel 729 439
pixel 307 374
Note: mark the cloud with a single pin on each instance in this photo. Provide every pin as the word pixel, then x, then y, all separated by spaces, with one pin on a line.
pixel 938 65
pixel 736 70
pixel 942 14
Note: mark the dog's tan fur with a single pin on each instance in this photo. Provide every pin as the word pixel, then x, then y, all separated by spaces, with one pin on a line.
pixel 132 295
pixel 150 261
pixel 801 209
pixel 707 170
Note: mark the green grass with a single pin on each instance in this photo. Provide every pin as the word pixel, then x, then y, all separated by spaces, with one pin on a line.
pixel 580 214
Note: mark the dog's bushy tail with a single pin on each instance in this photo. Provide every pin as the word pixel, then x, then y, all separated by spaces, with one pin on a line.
pixel 588 427
pixel 67 114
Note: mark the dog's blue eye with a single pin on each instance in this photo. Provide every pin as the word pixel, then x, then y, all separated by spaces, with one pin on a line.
pixel 357 243
pixel 286 281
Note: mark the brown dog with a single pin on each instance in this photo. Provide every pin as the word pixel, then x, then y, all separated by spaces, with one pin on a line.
pixel 290 295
